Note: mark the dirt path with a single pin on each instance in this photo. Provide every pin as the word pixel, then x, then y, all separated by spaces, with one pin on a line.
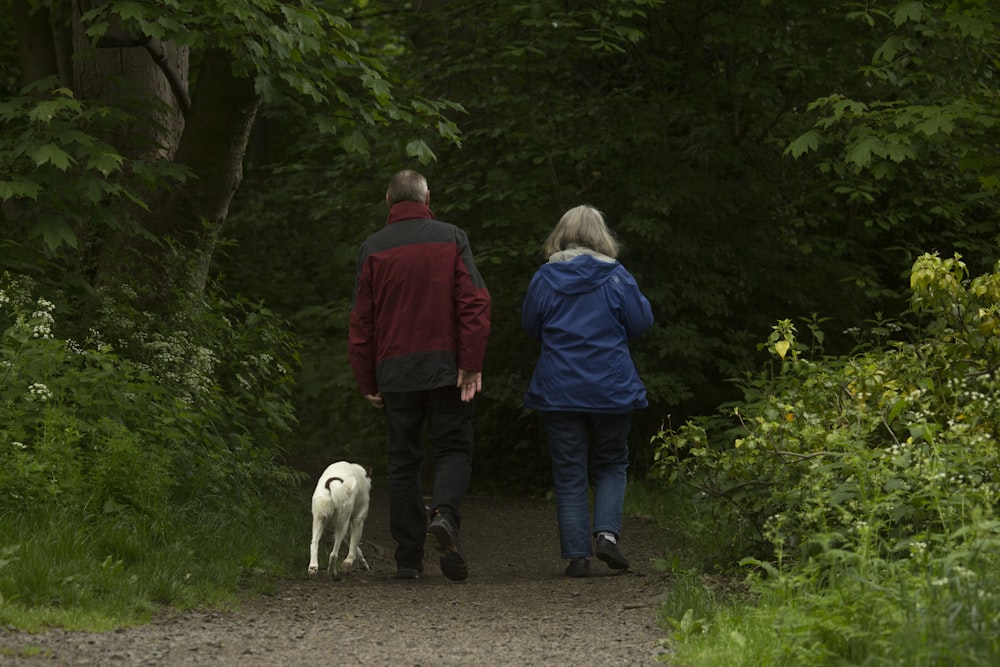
pixel 516 608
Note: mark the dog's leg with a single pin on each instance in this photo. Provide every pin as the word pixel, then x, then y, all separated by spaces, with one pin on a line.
pixel 319 524
pixel 338 539
pixel 357 527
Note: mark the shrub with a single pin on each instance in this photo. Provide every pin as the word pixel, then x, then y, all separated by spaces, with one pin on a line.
pixel 871 478
pixel 166 412
pixel 882 448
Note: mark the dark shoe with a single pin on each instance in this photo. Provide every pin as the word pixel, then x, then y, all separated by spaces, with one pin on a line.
pixel 578 567
pixel 408 573
pixel 608 552
pixel 453 563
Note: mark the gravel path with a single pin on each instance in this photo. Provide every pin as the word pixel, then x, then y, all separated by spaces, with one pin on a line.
pixel 516 608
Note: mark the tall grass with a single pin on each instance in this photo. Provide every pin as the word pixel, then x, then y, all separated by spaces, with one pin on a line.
pixel 89 573
pixel 904 619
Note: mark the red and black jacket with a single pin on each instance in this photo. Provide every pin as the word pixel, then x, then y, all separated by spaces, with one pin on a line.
pixel 420 309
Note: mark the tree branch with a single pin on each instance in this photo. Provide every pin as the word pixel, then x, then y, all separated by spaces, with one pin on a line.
pixel 155 50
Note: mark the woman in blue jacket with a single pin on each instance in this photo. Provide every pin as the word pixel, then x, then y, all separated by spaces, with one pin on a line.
pixel 585 308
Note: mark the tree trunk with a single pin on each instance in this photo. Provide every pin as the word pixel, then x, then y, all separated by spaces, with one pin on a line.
pixel 209 138
pixel 208 134
pixel 123 73
pixel 35 43
pixel 223 110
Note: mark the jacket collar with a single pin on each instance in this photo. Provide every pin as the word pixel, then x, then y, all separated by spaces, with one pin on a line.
pixel 409 210
pixel 574 251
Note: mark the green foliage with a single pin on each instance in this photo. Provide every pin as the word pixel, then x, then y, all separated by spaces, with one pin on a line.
pixel 627 106
pixel 60 181
pixel 903 620
pixel 85 570
pixel 135 425
pixel 303 51
pixel 915 132
pixel 870 478
pixel 133 419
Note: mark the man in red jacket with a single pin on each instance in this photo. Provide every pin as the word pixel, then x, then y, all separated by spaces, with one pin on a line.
pixel 420 319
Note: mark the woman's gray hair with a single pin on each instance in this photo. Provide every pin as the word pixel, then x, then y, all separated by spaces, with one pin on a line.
pixel 407 185
pixel 582 227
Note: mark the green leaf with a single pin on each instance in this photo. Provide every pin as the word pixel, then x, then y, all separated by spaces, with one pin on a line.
pixel 355 142
pixel 45 111
pixel 129 10
pixel 884 170
pixel 896 409
pixel 860 152
pixel 19 188
pixel 153 29
pixel 418 149
pixel 94 190
pixel 898 148
pixel 805 143
pixel 449 130
pixel 55 233
pixel 907 11
pixel 937 123
pixel 847 106
pixel 379 87
pixel 50 153
pixel 106 163
pixel 889 49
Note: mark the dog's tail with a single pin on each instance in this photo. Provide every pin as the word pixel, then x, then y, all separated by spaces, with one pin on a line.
pixel 340 489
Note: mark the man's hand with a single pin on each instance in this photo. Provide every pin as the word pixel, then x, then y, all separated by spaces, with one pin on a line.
pixel 470 384
pixel 375 400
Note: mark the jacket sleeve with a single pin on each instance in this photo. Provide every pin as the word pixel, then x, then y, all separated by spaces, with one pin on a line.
pixel 531 321
pixel 472 309
pixel 361 332
pixel 636 313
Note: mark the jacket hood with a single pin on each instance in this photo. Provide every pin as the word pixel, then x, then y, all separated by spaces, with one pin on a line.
pixel 576 270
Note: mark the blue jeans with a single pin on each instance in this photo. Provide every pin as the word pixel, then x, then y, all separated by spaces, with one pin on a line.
pixel 449 430
pixel 586 445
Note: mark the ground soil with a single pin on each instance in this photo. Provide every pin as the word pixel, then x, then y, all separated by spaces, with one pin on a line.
pixel 516 608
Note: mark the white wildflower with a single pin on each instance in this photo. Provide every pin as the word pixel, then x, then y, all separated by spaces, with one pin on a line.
pixel 39 392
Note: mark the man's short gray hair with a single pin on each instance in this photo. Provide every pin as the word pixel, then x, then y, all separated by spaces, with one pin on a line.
pixel 407 185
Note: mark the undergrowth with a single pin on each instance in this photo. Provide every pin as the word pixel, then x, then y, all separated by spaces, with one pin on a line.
pixel 854 497
pixel 86 572
pixel 139 456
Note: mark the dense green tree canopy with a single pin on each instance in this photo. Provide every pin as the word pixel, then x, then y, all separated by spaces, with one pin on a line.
pixel 759 160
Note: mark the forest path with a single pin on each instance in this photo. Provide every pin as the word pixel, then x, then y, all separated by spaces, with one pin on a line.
pixel 516 608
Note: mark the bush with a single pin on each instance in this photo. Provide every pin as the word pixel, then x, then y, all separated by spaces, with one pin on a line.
pixel 871 478
pixel 145 436
pixel 193 410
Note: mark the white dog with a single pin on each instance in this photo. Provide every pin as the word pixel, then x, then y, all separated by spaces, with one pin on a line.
pixel 340 500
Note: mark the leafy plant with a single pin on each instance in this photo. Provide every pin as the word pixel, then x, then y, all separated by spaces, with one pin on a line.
pixel 135 448
pixel 870 478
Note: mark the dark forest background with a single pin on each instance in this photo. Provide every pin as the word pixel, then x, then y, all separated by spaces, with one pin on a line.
pixel 758 160
pixel 206 171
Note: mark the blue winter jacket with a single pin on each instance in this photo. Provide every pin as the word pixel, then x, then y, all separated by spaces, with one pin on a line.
pixel 585 307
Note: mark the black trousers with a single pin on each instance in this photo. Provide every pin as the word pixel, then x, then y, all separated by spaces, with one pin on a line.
pixel 449 431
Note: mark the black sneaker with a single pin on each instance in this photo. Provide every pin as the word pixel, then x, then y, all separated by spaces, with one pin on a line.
pixel 578 567
pixel 608 552
pixel 453 564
